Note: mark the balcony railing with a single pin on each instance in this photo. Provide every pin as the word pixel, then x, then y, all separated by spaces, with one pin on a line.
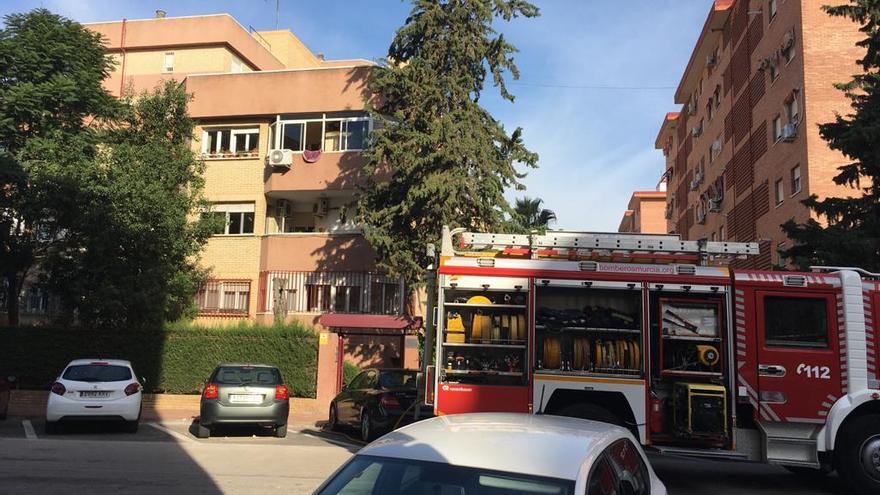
pixel 325 292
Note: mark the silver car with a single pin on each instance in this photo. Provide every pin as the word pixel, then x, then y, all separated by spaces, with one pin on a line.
pixel 244 394
pixel 500 454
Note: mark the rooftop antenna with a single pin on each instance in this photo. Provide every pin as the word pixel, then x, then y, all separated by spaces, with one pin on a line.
pixel 277 11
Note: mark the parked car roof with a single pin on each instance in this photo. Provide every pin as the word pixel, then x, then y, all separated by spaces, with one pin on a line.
pixel 249 365
pixel 117 362
pixel 558 446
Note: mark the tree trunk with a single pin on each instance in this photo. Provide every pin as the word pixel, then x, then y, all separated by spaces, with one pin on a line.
pixel 13 290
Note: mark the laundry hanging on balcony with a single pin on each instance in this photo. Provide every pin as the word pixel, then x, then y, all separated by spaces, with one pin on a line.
pixel 311 156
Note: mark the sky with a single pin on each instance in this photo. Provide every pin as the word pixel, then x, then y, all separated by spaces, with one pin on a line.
pixel 597 77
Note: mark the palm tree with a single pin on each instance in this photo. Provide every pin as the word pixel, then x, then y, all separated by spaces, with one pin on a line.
pixel 528 215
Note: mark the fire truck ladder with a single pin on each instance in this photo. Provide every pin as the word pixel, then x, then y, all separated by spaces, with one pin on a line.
pixel 651 248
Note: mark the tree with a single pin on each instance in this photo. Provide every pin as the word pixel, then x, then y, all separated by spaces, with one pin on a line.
pixel 449 159
pixel 851 236
pixel 130 254
pixel 51 70
pixel 528 215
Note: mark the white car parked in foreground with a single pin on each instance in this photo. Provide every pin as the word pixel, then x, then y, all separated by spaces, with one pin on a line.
pixel 95 389
pixel 495 454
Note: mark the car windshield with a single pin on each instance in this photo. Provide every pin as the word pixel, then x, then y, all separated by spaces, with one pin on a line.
pixel 368 475
pixel 397 379
pixel 247 375
pixel 97 373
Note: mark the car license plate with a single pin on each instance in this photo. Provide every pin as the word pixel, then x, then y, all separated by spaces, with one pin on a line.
pixel 95 394
pixel 245 398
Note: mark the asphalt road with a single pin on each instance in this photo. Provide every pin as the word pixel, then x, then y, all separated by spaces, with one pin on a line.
pixel 166 458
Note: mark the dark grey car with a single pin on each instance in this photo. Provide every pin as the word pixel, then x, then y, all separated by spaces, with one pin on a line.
pixel 244 394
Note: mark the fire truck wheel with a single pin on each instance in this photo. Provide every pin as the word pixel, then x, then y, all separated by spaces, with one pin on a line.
pixel 858 454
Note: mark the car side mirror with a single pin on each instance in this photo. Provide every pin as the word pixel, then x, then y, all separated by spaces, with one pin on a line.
pixel 143 380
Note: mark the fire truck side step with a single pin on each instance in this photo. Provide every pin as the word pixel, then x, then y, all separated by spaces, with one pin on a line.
pixel 702 453
pixel 791 443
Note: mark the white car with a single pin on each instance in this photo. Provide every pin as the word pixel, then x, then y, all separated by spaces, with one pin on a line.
pixel 495 454
pixel 95 389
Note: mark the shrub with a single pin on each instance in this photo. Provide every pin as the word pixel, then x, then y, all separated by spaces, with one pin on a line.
pixel 173 359
pixel 349 371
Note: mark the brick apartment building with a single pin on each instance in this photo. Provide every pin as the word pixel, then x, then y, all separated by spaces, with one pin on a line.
pixel 744 149
pixel 290 244
pixel 645 212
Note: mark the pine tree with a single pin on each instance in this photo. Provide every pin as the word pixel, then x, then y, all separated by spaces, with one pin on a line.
pixel 851 236
pixel 437 157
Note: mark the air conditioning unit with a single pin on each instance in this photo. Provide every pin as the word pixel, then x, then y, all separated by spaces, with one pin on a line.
pixel 717 145
pixel 697 130
pixel 788 41
pixel 711 60
pixel 765 64
pixel 715 205
pixel 285 209
pixel 668 213
pixel 692 108
pixel 701 216
pixel 789 132
pixel 280 158
pixel 320 208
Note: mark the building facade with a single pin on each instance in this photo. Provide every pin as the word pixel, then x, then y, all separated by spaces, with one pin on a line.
pixel 645 212
pixel 744 150
pixel 290 244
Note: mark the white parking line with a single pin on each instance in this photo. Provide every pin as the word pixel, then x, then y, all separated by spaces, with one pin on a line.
pixel 29 432
pixel 171 432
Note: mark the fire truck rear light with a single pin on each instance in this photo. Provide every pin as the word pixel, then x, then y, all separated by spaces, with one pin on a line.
pixel 774 397
pixel 588 266
pixel 875 396
pixel 486 262
pixel 686 269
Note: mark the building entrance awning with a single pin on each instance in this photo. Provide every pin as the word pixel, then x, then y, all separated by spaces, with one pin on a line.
pixel 378 323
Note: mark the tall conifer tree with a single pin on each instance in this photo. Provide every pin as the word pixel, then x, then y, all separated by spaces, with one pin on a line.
pixel 449 160
pixel 851 235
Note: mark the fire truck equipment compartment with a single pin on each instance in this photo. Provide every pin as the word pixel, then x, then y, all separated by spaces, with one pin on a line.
pixel 700 410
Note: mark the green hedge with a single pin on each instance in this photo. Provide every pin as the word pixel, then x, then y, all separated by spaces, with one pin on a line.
pixel 174 359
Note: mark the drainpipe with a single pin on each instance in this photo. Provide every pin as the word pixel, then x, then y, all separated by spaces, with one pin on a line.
pixel 122 49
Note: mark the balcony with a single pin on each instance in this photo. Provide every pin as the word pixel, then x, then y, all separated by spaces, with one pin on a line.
pixel 334 171
pixel 292 292
pixel 316 251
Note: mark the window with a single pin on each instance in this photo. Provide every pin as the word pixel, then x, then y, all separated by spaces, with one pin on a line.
pixel 791 108
pixel 774 71
pixel 317 298
pixel 366 475
pixel 632 474
pixel 385 298
pixel 771 10
pixel 710 110
pixel 777 128
pixel 348 299
pixel 239 218
pixel 796 180
pixel 224 297
pixel 168 65
pixel 97 373
pixel 602 480
pixel 230 142
pixel 721 236
pixel 237 65
pixel 349 134
pixel 712 237
pixel 780 191
pixel 795 322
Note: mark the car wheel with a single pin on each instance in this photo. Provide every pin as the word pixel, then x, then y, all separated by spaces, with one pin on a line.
pixel 333 418
pixel 281 431
pixel 132 426
pixel 858 454
pixel 202 431
pixel 51 427
pixel 366 427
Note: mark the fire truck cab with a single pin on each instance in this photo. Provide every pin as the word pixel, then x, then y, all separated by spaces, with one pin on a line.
pixel 658 335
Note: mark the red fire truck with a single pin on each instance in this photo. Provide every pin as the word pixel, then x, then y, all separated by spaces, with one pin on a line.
pixel 656 334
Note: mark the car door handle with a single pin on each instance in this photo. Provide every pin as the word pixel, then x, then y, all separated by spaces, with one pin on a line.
pixel 771 370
